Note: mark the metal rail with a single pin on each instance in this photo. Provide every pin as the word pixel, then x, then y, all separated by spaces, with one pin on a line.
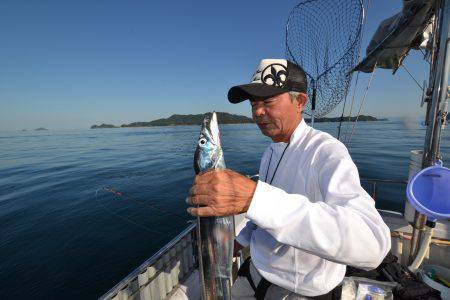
pixel 437 106
pixel 162 271
pixel 376 182
pixel 159 275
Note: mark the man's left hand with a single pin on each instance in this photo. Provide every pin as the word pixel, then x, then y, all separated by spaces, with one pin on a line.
pixel 220 193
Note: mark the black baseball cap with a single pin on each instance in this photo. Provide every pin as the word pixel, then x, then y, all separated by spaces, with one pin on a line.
pixel 273 77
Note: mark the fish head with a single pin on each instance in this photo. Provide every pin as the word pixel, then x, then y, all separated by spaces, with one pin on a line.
pixel 208 154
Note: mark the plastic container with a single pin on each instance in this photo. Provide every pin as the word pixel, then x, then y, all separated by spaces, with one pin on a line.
pixel 415 162
pixel 428 191
pixel 415 165
pixel 360 288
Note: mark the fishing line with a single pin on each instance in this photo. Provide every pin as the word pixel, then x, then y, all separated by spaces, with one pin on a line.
pixel 144 203
pixel 124 218
pixel 351 106
pixel 361 105
pixel 120 194
pixel 341 119
pixel 363 26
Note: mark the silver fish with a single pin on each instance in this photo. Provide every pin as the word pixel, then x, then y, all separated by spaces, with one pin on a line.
pixel 216 234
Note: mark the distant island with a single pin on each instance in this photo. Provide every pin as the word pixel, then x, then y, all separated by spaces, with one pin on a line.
pixel 177 120
pixel 223 118
pixel 40 129
pixel 103 126
pixel 362 118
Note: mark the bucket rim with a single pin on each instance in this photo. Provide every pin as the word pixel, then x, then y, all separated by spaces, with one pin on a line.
pixel 434 215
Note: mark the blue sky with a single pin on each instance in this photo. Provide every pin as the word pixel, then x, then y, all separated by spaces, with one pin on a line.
pixel 68 65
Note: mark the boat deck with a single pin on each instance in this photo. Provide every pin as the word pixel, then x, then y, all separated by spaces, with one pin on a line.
pixel 172 272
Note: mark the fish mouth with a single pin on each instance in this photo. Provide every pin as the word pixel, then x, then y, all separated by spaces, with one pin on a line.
pixel 209 151
pixel 211 125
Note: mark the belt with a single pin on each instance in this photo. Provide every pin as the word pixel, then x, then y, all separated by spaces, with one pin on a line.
pixel 258 283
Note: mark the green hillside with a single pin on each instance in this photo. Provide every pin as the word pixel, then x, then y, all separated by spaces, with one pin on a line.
pixel 223 118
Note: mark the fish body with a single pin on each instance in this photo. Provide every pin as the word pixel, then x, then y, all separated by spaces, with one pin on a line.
pixel 215 234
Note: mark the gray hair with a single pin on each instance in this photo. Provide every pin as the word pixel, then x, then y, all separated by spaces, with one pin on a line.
pixel 293 95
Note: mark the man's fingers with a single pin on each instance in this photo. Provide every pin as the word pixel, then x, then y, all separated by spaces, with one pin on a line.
pixel 204 177
pixel 202 211
pixel 199 190
pixel 209 175
pixel 199 200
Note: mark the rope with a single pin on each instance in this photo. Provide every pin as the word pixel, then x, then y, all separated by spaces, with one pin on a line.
pixel 409 73
pixel 342 118
pixel 361 106
pixel 363 25
pixel 425 56
pixel 351 105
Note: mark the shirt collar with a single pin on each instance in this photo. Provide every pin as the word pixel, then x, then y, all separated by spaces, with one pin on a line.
pixel 297 136
pixel 299 133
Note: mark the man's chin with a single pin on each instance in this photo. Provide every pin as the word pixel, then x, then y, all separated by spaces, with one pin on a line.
pixel 267 131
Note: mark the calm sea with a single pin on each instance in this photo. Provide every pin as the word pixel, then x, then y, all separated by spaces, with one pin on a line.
pixel 79 210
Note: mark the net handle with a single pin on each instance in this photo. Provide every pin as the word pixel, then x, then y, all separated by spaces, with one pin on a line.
pixel 314 95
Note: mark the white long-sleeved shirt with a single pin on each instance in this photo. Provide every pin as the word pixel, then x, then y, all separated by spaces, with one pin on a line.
pixel 315 218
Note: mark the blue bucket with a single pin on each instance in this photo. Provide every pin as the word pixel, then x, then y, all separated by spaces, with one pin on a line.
pixel 429 192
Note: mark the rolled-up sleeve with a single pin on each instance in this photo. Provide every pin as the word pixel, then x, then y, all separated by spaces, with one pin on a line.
pixel 345 227
pixel 245 235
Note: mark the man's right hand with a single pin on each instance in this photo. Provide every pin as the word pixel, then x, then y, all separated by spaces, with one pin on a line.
pixel 237 247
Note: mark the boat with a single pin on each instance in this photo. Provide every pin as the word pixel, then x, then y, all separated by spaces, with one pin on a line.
pixel 172 272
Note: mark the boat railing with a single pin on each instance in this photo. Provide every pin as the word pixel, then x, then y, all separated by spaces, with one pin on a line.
pixel 372 181
pixel 158 276
pixel 164 271
pixel 375 183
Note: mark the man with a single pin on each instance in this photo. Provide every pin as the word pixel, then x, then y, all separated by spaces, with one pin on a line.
pixel 308 215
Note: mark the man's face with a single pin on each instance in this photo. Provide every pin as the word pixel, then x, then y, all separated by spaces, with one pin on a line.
pixel 276 116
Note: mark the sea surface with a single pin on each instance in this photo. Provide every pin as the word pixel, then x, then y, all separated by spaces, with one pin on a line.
pixel 81 209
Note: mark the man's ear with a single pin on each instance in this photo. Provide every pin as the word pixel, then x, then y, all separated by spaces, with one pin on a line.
pixel 301 98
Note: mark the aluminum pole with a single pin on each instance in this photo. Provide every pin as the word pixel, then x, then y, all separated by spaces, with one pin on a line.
pixel 435 116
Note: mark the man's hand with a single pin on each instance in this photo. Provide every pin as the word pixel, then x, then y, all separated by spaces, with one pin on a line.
pixel 220 193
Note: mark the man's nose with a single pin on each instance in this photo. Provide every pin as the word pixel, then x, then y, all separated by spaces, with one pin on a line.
pixel 258 110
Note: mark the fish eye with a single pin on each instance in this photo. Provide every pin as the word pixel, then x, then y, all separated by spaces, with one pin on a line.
pixel 202 142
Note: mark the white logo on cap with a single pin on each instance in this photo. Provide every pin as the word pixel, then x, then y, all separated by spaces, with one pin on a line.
pixel 274 74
